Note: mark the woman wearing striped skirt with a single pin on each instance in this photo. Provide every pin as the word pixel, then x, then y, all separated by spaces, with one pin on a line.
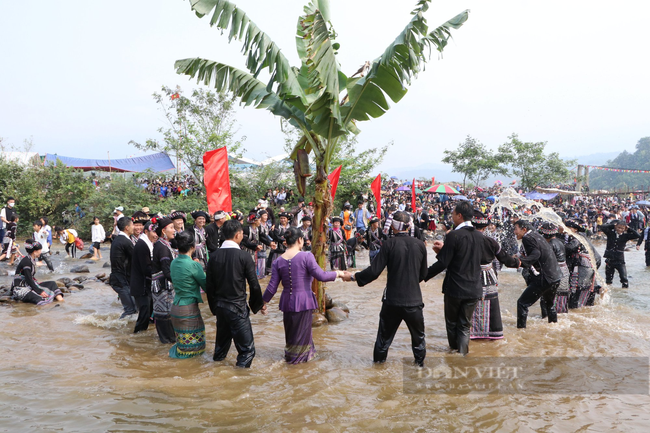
pixel 188 279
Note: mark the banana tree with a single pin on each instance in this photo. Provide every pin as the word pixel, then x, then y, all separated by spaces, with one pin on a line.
pixel 316 97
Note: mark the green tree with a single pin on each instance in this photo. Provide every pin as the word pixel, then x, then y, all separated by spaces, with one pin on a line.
pixel 474 161
pixel 196 124
pixel 529 163
pixel 317 98
pixel 638 160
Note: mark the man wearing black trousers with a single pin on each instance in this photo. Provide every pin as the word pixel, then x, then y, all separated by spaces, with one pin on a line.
pixel 228 270
pixel 141 276
pixel 618 234
pixel 461 256
pixel 406 259
pixel 121 252
pixel 545 273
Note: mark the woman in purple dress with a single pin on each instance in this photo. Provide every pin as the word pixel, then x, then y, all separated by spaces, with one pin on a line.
pixel 296 269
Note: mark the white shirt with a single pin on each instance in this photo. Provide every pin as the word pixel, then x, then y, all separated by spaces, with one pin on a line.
pixel 98 233
pixel 230 244
pixel 464 224
pixel 41 237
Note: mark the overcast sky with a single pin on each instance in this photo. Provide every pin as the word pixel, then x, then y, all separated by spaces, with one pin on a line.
pixel 77 76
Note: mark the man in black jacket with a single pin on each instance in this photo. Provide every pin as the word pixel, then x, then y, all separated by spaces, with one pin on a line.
pixel 213 235
pixel 406 259
pixel 618 234
pixel 141 276
pixel 121 252
pixel 228 270
pixel 546 273
pixel 460 255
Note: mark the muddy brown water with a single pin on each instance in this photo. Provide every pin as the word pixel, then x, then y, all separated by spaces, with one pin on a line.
pixel 77 367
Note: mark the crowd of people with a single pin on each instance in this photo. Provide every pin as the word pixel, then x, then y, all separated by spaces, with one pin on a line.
pixel 161 264
pixel 176 186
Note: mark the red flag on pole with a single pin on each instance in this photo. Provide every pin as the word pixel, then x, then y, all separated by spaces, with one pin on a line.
pixel 217 180
pixel 375 186
pixel 413 197
pixel 175 96
pixel 334 180
pixel 433 181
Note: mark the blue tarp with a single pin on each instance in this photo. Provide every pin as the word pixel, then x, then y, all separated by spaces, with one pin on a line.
pixel 155 162
pixel 539 196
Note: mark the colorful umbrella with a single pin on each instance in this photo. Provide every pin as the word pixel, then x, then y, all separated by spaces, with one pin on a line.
pixel 408 188
pixel 498 182
pixel 442 189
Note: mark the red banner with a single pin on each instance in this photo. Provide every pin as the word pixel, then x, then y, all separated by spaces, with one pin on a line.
pixel 334 180
pixel 217 180
pixel 375 186
pixel 413 197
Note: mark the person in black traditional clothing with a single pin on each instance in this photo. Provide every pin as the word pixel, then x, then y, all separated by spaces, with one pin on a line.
pixel 254 242
pixel 141 276
pixel 198 230
pixel 139 219
pixel 179 219
pixel 374 238
pixel 549 232
pixel 460 255
pixel 25 288
pixel 307 233
pixel 229 269
pixel 486 320
pixel 582 281
pixel 337 246
pixel 406 260
pixel 277 235
pixel 546 273
pixel 162 290
pixel 618 234
pixel 213 234
pixel 121 252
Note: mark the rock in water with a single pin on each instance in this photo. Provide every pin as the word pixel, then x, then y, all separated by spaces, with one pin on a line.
pixel 107 265
pixel 80 269
pixel 317 319
pixel 336 315
pixel 3 273
pixel 86 256
pixel 328 301
pixel 341 305
pixel 60 284
pixel 80 279
pixel 64 281
pixel 100 276
pixel 76 286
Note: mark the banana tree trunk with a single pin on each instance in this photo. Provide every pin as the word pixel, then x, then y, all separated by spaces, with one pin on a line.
pixel 322 208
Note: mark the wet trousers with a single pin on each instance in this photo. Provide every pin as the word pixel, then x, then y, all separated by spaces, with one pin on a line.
pixel 390 318
pixel 532 293
pixel 232 326
pixel 458 320
pixel 125 298
pixel 145 307
pixel 611 266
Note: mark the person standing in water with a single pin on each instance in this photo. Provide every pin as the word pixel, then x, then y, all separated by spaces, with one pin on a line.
pixel 406 260
pixel 618 234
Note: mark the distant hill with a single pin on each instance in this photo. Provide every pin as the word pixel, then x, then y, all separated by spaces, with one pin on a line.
pixel 595 158
pixel 639 159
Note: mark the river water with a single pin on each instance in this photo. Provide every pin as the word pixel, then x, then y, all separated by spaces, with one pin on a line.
pixel 77 367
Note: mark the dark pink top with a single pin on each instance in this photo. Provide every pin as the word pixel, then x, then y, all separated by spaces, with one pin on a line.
pixel 296 276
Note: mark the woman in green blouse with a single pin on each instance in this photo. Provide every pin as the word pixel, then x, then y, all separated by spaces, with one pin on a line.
pixel 188 279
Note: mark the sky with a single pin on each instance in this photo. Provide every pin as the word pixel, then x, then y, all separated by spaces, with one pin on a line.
pixel 76 77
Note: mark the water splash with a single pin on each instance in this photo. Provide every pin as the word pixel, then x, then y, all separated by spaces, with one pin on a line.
pixel 514 202
pixel 105 321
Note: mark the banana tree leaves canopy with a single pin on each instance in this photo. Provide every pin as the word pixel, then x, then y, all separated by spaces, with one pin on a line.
pixel 442 189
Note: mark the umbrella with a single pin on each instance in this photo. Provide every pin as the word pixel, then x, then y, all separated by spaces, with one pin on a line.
pixel 643 203
pixel 491 198
pixel 403 188
pixel 460 197
pixel 482 194
pixel 442 189
pixel 478 188
pixel 393 177
pixel 408 182
pixel 498 182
